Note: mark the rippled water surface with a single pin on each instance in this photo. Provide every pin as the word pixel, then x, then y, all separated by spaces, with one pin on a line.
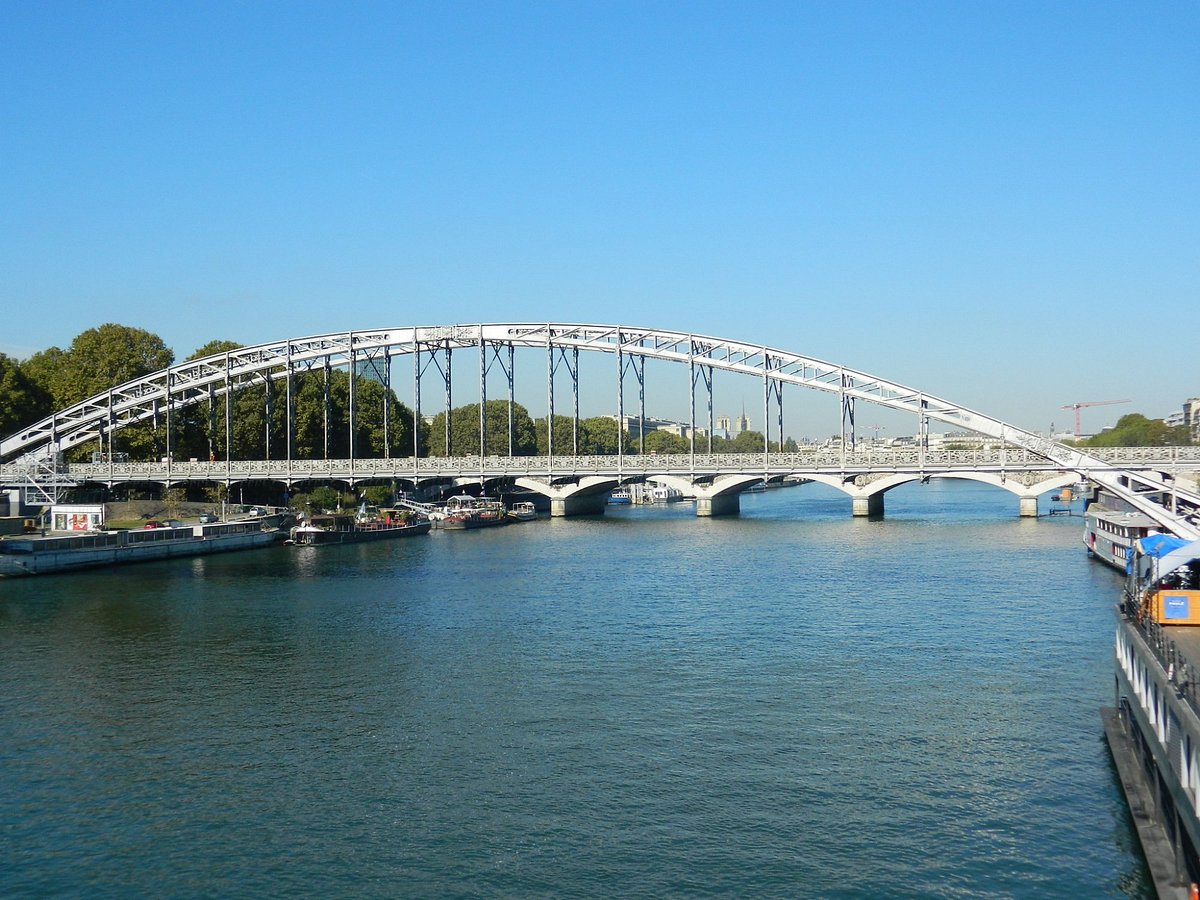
pixel 789 703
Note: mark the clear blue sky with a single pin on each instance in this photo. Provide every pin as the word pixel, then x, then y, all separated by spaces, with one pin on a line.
pixel 998 203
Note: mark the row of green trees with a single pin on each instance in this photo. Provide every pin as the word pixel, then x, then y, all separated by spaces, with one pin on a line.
pixel 258 426
pixel 53 379
pixel 1135 430
pixel 593 436
pixel 111 354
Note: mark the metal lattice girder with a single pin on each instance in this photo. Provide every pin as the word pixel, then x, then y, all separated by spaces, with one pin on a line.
pixel 189 383
pixel 196 381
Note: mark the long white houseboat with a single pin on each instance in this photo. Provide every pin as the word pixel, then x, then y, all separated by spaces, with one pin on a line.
pixel 37 555
pixel 1153 727
pixel 1109 534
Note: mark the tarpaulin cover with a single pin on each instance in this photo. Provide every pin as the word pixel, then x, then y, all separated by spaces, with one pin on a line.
pixel 1170 552
pixel 1159 544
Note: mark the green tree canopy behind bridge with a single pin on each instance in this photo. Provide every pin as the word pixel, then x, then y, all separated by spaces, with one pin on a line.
pixel 22 400
pixel 104 357
pixel 320 424
pixel 464 431
pixel 98 359
pixel 1135 430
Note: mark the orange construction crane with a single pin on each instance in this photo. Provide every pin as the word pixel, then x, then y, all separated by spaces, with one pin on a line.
pixel 1078 406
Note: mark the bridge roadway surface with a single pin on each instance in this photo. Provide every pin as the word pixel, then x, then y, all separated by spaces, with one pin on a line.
pixel 211 382
pixel 579 483
pixel 852 464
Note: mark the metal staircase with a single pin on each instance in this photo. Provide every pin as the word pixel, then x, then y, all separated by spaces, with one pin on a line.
pixel 39 479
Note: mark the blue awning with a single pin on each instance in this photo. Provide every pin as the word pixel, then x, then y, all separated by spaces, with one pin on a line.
pixel 1169 552
pixel 1159 545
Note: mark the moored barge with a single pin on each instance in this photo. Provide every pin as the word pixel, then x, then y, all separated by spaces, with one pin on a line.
pixel 466 512
pixel 1109 533
pixel 37 555
pixel 325 529
pixel 1153 731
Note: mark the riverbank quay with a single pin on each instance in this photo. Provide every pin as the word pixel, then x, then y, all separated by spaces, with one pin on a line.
pixel 1153 733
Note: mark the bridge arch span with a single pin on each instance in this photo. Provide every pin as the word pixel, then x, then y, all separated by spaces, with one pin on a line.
pixel 218 376
pixel 867 495
pixel 587 495
pixel 1023 488
pixel 866 498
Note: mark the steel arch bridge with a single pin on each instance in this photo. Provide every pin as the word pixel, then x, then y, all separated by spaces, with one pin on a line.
pixel 213 379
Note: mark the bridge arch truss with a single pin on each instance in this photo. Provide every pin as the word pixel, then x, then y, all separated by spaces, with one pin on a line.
pixel 158 396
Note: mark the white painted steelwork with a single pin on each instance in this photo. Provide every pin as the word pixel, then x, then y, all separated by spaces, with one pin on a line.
pixel 202 379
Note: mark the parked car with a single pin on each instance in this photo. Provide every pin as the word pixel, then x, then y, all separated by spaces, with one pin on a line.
pixel 207 519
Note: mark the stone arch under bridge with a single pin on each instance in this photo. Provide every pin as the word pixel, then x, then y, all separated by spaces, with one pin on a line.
pixel 215 379
pixel 866 492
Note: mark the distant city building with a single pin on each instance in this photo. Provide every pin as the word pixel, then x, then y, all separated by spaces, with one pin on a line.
pixel 683 430
pixel 1191 416
pixel 742 425
pixel 637 427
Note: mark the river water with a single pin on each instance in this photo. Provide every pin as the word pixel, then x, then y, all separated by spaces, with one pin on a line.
pixel 792 703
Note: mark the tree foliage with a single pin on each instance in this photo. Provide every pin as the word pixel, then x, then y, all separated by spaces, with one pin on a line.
pixel 746 442
pixel 103 357
pixel 1135 430
pixel 564 437
pixel 378 495
pixel 598 436
pixel 663 442
pixel 320 419
pixel 22 400
pixel 464 431
pixel 46 369
pixel 323 498
pixel 212 348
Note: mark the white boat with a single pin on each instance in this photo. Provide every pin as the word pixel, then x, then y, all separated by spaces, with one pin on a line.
pixel 388 523
pixel 662 493
pixel 29 555
pixel 621 496
pixel 524 511
pixel 1109 534
pixel 465 512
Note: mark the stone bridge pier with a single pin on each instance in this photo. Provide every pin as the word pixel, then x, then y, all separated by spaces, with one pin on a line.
pixel 719 497
pixel 586 497
pixel 866 492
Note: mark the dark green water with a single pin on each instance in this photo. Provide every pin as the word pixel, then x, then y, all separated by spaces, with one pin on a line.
pixel 793 703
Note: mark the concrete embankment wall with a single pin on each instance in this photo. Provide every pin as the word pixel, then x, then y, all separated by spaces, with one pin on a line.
pixel 156 509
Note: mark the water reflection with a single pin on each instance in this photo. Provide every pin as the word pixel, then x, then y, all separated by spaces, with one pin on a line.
pixel 641 704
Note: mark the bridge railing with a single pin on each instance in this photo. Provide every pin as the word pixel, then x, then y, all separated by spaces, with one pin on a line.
pixel 1184 671
pixel 882 459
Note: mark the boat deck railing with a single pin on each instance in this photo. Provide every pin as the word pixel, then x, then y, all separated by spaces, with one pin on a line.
pixel 1184 670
